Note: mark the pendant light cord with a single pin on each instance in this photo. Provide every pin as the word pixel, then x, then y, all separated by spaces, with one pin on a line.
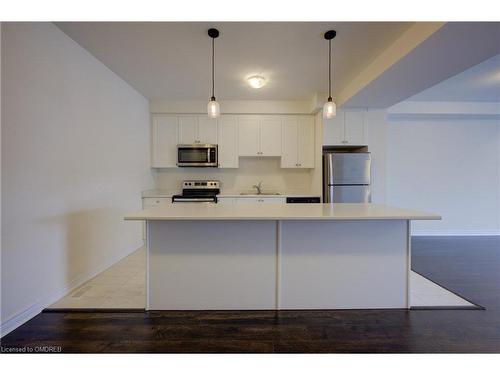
pixel 213 69
pixel 329 69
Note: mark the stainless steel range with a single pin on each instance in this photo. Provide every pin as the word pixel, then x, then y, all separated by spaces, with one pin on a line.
pixel 198 191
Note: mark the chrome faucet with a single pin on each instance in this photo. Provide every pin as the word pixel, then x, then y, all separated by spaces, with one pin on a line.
pixel 258 187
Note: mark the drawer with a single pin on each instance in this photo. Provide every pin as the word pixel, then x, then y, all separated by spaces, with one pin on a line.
pixel 225 200
pixel 261 200
pixel 154 202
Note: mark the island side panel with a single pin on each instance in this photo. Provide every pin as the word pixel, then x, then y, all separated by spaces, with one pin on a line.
pixel 343 264
pixel 211 265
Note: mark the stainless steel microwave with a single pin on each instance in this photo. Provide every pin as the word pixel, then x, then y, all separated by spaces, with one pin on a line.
pixel 197 155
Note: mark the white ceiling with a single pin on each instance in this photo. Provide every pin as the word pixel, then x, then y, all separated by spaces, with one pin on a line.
pixel 172 60
pixel 481 83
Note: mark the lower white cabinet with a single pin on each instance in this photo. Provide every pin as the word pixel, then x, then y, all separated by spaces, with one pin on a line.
pixel 260 200
pixel 226 200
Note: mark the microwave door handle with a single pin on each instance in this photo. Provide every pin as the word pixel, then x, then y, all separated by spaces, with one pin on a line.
pixel 208 155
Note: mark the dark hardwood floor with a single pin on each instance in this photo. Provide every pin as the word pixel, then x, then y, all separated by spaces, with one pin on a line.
pixel 469 266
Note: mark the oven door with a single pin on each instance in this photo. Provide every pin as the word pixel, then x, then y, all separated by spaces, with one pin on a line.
pixel 197 155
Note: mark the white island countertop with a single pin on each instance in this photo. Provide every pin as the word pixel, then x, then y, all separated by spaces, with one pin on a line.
pixel 337 211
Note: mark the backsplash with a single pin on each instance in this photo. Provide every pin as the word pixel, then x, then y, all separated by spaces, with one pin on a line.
pixel 251 171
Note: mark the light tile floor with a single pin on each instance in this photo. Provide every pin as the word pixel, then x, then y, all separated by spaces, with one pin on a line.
pixel 424 292
pixel 123 285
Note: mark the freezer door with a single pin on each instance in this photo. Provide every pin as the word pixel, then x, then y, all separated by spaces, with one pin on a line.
pixel 347 168
pixel 349 194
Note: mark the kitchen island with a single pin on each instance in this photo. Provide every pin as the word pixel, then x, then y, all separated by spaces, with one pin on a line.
pixel 278 256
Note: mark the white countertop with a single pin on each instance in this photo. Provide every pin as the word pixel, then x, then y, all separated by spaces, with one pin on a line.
pixel 157 193
pixel 318 211
pixel 168 193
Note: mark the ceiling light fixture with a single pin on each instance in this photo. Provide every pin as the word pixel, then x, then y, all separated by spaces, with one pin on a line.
pixel 256 81
pixel 213 107
pixel 329 109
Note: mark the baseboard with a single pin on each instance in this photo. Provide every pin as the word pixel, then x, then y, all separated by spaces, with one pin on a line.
pixel 22 317
pixel 424 232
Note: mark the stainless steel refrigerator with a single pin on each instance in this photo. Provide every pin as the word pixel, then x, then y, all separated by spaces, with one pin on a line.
pixel 346 177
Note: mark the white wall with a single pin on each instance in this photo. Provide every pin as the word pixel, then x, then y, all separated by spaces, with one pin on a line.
pixel 75 157
pixel 447 166
pixel 376 139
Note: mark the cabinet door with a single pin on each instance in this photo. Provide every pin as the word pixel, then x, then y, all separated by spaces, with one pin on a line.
pixel 272 200
pixel 306 147
pixel 270 136
pixel 207 130
pixel 247 200
pixel 188 129
pixel 164 141
pixel 333 130
pixel 248 136
pixel 354 128
pixel 289 142
pixel 228 142
pixel 226 200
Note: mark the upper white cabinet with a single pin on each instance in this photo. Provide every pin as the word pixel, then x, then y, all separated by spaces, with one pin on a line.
pixel 270 136
pixel 306 142
pixel 297 142
pixel 248 136
pixel 207 130
pixel 197 129
pixel 289 137
pixel 188 129
pixel 228 142
pixel 259 135
pixel 333 130
pixel 347 128
pixel 164 141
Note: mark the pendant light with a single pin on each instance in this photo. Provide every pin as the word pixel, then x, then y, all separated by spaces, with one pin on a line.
pixel 329 109
pixel 213 107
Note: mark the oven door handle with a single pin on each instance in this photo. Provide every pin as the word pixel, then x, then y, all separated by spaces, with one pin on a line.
pixel 195 200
